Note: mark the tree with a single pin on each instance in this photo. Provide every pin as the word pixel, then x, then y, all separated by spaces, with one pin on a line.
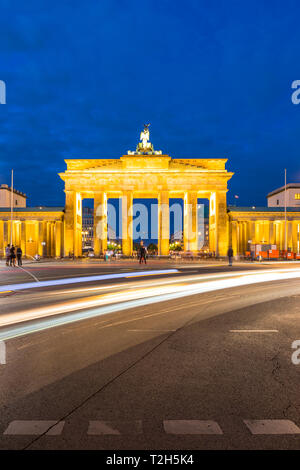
pixel 152 247
pixel 176 246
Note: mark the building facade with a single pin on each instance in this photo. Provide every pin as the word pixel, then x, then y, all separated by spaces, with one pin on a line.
pixel 146 173
pixel 6 199
pixel 37 230
pixel 264 226
pixel 276 198
pixel 148 176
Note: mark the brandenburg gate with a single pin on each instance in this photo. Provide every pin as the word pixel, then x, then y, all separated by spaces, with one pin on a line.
pixel 146 173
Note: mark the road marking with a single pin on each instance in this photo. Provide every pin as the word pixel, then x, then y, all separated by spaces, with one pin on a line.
pixel 2 352
pixel 5 291
pixel 253 331
pixel 34 428
pixel 116 428
pixel 192 426
pixel 175 427
pixel 272 426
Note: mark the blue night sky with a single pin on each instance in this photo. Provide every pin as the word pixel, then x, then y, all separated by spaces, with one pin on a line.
pixel 212 78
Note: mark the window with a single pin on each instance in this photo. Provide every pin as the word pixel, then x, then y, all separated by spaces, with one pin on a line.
pixel 297 196
pixel 277 202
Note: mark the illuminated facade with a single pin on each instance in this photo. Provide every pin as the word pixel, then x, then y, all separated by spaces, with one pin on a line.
pixel 146 176
pixel 37 230
pixel 146 173
pixel 265 226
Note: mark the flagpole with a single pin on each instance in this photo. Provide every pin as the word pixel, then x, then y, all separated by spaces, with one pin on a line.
pixel 11 206
pixel 285 226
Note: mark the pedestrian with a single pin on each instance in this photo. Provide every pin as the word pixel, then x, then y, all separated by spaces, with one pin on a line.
pixel 12 256
pixel 230 256
pixel 19 256
pixel 7 254
pixel 142 253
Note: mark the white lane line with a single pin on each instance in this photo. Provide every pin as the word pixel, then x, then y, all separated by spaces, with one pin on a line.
pixel 192 426
pixel 272 426
pixel 2 352
pixel 34 428
pixel 253 331
pixel 116 428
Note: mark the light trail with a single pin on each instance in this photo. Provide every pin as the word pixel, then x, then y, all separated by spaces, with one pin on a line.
pixel 82 304
pixel 160 282
pixel 126 300
pixel 253 331
pixel 101 277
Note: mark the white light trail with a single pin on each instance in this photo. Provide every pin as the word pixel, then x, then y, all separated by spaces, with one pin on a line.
pixel 160 282
pixel 101 277
pixel 125 300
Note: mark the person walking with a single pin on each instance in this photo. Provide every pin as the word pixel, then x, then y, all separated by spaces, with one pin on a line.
pixel 12 256
pixel 19 256
pixel 230 256
pixel 7 254
pixel 142 254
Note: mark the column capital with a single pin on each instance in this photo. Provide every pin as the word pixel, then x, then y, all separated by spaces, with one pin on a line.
pixel 163 196
pixel 190 221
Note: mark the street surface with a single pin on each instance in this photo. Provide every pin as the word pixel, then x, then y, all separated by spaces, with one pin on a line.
pixel 189 355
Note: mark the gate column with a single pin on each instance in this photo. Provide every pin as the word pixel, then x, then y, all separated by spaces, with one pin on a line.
pixel 218 223
pixel 163 223
pixel 221 223
pixel 190 221
pixel 127 228
pixel 73 224
pixel 100 223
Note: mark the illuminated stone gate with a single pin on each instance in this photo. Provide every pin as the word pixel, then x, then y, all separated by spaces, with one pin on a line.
pixel 146 173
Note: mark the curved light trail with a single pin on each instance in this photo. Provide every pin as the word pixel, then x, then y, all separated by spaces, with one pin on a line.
pixel 100 277
pixel 17 324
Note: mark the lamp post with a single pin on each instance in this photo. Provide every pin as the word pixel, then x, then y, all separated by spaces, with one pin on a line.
pixel 11 206
pixel 285 225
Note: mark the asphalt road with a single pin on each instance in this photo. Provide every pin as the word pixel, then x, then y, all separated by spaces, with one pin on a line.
pixel 168 367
